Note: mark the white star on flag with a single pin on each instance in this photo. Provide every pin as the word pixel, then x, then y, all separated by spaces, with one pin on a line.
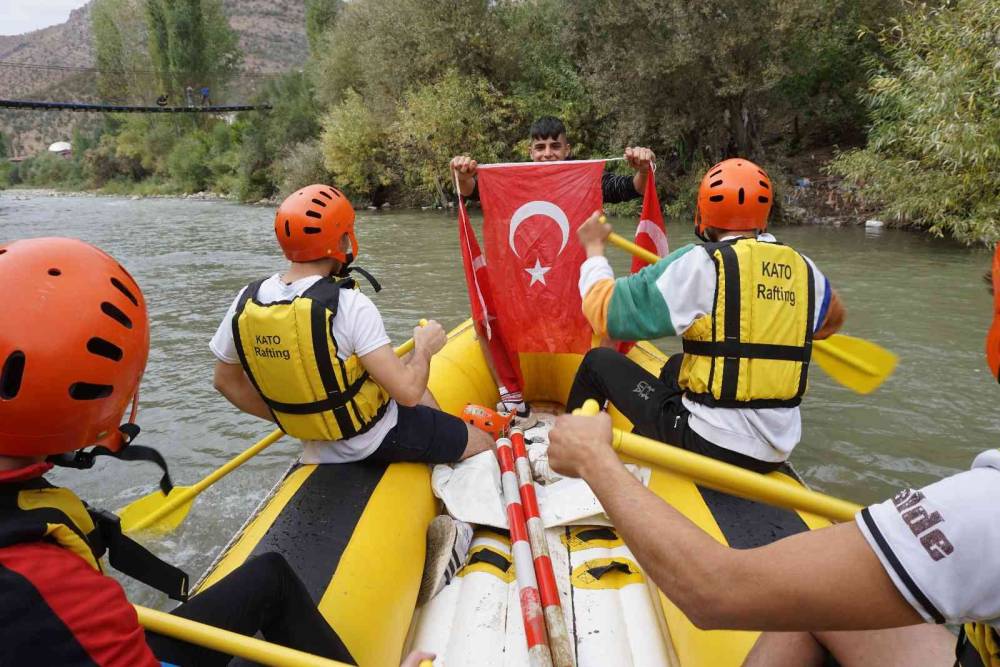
pixel 538 273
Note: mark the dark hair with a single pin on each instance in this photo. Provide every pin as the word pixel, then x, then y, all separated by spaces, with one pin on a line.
pixel 547 127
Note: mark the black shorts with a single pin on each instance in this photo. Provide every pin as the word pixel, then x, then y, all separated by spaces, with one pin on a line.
pixel 423 435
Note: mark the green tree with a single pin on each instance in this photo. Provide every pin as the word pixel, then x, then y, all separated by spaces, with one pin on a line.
pixel 191 43
pixel 356 149
pixel 321 15
pixel 933 153
pixel 435 119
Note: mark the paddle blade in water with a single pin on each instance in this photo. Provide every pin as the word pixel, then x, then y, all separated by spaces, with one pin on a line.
pixel 858 364
pixel 136 513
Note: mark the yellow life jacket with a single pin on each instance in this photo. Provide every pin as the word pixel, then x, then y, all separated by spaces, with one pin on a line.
pixel 35 511
pixel 978 638
pixel 753 349
pixel 289 352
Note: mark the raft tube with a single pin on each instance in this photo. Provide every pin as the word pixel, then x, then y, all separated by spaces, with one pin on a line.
pixel 355 535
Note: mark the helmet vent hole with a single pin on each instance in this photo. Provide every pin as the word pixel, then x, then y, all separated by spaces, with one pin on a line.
pixel 312 230
pixel 319 202
pixel 112 311
pixel 85 391
pixel 104 348
pixel 764 185
pixel 762 173
pixel 55 272
pixel 10 376
pixel 3 250
pixel 741 196
pixel 763 200
pixel 716 198
pixel 715 173
pixel 336 192
pixel 120 286
pixel 325 194
pixel 288 229
pixel 715 184
pixel 314 214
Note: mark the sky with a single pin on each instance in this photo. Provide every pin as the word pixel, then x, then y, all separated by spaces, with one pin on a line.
pixel 20 16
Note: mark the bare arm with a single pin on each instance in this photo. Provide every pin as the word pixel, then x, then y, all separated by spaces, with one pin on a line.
pixel 827 579
pixel 232 382
pixel 640 159
pixel 406 381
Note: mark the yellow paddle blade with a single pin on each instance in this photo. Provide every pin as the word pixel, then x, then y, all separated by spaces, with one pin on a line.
pixel 858 364
pixel 145 506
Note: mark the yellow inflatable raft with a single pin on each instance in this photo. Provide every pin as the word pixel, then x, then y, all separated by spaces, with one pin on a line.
pixel 355 535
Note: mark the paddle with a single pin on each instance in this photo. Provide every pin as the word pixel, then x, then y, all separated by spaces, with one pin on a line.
pixel 726 477
pixel 858 364
pixel 167 512
pixel 231 643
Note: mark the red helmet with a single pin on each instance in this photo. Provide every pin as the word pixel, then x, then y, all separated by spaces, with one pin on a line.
pixel 993 337
pixel 310 223
pixel 735 194
pixel 73 347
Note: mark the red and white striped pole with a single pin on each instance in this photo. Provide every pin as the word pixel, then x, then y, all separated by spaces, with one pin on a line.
pixel 527 585
pixel 559 643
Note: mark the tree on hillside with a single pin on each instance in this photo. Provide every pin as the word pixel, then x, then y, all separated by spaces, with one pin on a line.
pixel 118 32
pixel 191 43
pixel 933 153
pixel 321 15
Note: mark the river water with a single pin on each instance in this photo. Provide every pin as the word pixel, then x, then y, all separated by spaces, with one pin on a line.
pixel 920 297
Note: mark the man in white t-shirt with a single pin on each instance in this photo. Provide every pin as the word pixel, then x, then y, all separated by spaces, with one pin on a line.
pixel 747 309
pixel 305 349
pixel 863 592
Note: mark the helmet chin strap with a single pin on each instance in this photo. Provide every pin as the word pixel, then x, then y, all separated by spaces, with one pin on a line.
pixel 83 460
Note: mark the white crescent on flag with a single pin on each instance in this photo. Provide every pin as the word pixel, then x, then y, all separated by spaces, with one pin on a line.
pixel 655 234
pixel 546 208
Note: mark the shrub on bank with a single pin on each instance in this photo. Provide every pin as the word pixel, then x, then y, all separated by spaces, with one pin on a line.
pixel 933 153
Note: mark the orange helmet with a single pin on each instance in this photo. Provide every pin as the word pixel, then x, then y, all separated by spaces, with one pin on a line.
pixel 735 194
pixel 73 346
pixel 310 223
pixel 993 337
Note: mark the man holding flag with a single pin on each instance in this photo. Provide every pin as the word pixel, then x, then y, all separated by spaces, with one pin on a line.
pixel 548 143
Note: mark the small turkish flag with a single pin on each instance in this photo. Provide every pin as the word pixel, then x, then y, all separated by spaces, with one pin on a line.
pixel 651 233
pixel 530 215
pixel 477 280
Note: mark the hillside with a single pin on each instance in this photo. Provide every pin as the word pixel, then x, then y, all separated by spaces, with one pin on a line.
pixel 272 36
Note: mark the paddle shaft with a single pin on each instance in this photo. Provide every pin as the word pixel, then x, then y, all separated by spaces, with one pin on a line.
pixel 188 494
pixel 230 643
pixel 726 477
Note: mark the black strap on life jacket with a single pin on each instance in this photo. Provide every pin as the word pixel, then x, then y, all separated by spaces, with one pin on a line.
pixel 131 558
pixel 966 653
pixel 124 554
pixel 732 349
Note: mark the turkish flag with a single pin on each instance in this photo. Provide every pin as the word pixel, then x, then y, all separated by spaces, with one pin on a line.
pixel 530 215
pixel 650 234
pixel 477 280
